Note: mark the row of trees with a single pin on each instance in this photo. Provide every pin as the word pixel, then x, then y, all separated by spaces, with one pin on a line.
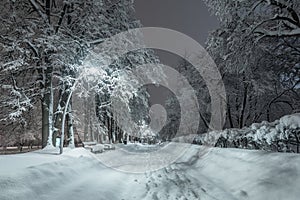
pixel 257 49
pixel 43 46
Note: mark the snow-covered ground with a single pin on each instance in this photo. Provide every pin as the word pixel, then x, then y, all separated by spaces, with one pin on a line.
pixel 200 173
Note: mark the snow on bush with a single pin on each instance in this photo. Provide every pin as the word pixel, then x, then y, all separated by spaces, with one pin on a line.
pixel 281 135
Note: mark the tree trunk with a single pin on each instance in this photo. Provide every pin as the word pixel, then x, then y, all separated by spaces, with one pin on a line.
pixel 70 127
pixel 204 120
pixel 116 131
pixel 244 106
pixel 48 9
pixel 108 129
pixel 92 137
pixel 47 109
pixel 111 130
pixel 58 115
pixel 86 122
pixel 237 108
pixel 229 116
pixel 47 100
pixel 297 141
pixel 45 122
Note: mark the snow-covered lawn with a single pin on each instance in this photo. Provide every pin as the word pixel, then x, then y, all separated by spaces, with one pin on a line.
pixel 200 173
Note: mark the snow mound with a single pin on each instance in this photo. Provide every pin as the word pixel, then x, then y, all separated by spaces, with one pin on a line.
pixel 201 173
pixel 95 148
pixel 282 135
pixel 291 121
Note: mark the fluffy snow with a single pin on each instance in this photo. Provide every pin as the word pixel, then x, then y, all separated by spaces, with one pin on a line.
pixel 139 147
pixel 291 121
pixel 95 148
pixel 200 173
pixel 274 136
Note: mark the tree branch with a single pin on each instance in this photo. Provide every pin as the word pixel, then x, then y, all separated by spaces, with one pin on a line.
pixel 38 9
pixel 280 34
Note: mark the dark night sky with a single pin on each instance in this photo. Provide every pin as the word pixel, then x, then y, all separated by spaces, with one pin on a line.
pixel 187 16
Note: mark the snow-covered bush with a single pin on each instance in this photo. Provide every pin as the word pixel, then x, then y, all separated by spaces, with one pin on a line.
pixel 281 135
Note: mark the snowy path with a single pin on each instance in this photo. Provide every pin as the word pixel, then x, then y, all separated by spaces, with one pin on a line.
pixel 200 173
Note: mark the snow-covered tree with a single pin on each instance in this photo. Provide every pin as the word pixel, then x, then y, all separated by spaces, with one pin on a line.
pixel 260 68
pixel 43 44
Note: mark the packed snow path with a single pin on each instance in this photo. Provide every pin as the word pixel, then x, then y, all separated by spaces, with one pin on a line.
pixel 200 173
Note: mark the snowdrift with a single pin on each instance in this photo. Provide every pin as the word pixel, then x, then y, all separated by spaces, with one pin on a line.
pixel 282 135
pixel 201 173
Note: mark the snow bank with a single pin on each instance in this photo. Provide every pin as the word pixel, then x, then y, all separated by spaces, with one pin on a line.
pixel 201 173
pixel 75 175
pixel 229 174
pixel 241 174
pixel 281 135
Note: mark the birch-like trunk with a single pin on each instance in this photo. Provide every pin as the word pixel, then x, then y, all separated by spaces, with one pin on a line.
pixel 70 127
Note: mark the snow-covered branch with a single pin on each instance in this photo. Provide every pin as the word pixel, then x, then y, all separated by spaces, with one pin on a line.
pixel 279 33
